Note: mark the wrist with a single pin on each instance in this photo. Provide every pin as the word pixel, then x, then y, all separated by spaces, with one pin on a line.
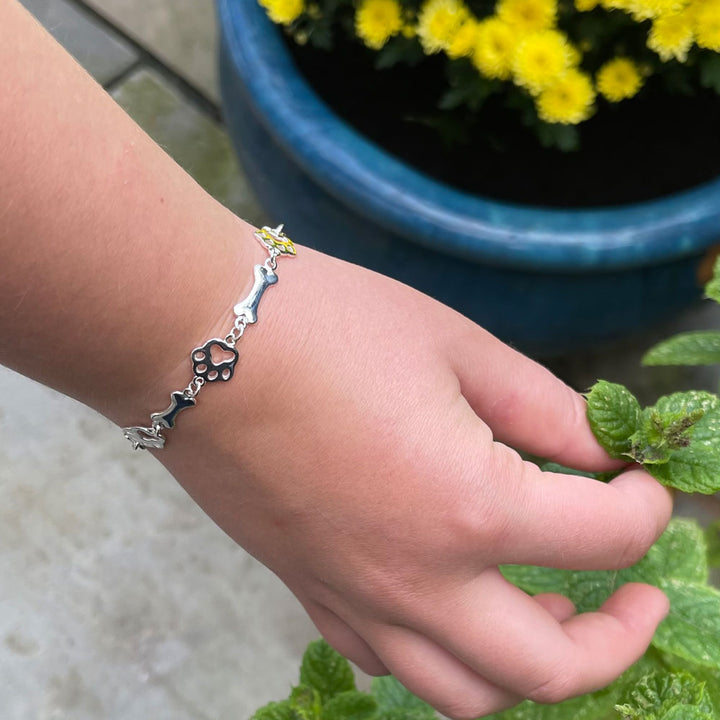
pixel 214 360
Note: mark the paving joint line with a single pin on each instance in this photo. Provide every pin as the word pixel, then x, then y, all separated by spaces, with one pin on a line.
pixel 148 59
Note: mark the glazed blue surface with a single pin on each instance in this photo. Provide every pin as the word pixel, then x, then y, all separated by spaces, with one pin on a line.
pixel 547 280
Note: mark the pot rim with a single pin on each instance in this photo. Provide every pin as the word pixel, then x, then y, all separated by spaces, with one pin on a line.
pixel 423 210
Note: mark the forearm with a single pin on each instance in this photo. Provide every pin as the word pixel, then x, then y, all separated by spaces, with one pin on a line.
pixel 114 262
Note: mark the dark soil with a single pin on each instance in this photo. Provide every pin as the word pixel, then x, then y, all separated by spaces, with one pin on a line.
pixel 651 146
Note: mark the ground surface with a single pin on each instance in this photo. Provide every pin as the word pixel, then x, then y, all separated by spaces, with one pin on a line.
pixel 120 599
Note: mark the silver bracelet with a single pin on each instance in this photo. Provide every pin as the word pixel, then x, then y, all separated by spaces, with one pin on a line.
pixel 207 369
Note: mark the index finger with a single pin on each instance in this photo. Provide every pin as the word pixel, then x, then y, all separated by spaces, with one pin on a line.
pixel 524 404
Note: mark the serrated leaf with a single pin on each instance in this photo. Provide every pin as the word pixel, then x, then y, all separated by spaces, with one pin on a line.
pixel 391 695
pixel 306 702
pixel 712 538
pixel 692 628
pixel 614 415
pixel 587 589
pixel 326 670
pixel 276 711
pixel 690 348
pixel 658 693
pixel 695 468
pixel 597 706
pixel 710 676
pixel 679 553
pixel 350 705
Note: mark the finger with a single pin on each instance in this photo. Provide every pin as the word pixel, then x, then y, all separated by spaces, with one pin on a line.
pixel 511 640
pixel 560 607
pixel 567 521
pixel 524 404
pixel 437 677
pixel 344 639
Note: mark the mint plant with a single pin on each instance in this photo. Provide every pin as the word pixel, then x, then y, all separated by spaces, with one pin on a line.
pixel 677 440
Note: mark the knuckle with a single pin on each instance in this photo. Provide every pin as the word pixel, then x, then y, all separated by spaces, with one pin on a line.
pixel 460 709
pixel 486 522
pixel 638 539
pixel 558 687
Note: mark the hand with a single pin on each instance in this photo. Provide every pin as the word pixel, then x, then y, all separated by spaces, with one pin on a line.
pixel 363 453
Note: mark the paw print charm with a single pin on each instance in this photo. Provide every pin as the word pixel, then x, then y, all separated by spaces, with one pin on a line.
pixel 215 360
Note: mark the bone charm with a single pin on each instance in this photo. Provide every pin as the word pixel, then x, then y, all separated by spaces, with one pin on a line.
pixel 247 308
pixel 179 401
pixel 143 438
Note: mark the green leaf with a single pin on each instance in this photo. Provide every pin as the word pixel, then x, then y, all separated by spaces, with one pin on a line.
pixel 306 702
pixel 350 705
pixel 696 467
pixel 683 712
pixel 398 50
pixel 557 468
pixel 692 628
pixel 597 706
pixel 391 695
pixel 712 289
pixel 326 670
pixel 712 538
pixel 710 71
pixel 587 589
pixel 680 553
pixel 559 136
pixel 277 711
pixel 658 693
pixel 403 714
pixel 691 348
pixel 614 415
pixel 709 676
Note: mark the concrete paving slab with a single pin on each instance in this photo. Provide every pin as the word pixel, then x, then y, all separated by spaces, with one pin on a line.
pixel 181 33
pixel 102 53
pixel 121 599
pixel 194 140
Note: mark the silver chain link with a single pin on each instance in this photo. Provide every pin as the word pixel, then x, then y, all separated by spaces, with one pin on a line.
pixel 194 387
pixel 237 332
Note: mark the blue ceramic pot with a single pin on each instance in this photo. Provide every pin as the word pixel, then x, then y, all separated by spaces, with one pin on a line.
pixel 545 280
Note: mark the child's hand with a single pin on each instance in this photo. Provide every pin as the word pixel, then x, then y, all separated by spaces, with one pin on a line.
pixel 362 452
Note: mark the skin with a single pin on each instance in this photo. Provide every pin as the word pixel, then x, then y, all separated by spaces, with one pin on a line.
pixel 363 449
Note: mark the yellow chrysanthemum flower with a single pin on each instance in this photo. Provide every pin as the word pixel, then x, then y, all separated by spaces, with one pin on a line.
pixel 376 21
pixel 705 16
pixel 568 101
pixel 530 15
pixel 283 11
pixel 540 59
pixel 465 40
pixel 646 9
pixel 439 22
pixel 495 48
pixel 672 36
pixel 650 9
pixel 463 44
pixel 586 5
pixel 619 79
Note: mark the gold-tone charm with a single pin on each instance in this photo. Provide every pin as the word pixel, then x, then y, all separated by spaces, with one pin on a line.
pixel 275 241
